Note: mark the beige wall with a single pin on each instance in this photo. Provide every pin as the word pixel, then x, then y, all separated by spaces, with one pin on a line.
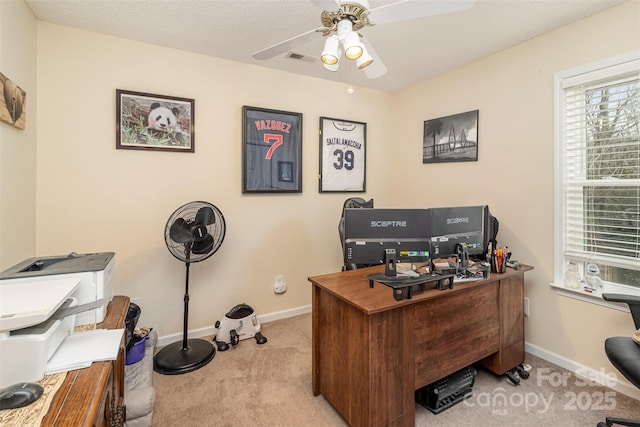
pixel 18 147
pixel 513 91
pixel 92 197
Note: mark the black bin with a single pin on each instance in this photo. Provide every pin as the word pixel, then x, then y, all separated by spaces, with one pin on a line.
pixel 133 314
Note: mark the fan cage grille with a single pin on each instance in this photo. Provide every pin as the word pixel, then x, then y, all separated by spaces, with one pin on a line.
pixel 188 212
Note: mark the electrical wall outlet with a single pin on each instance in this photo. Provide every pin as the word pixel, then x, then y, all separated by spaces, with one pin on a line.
pixel 526 307
pixel 280 286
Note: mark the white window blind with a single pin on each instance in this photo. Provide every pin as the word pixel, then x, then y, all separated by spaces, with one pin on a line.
pixel 601 170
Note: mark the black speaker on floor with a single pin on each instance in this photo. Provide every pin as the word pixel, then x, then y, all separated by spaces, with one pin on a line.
pixel 448 391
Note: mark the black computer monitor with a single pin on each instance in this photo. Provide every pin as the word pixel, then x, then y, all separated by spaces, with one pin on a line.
pixel 469 226
pixel 370 232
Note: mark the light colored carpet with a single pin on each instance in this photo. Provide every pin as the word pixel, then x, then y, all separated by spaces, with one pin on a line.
pixel 270 385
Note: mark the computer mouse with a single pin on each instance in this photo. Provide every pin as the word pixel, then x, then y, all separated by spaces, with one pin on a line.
pixel 19 395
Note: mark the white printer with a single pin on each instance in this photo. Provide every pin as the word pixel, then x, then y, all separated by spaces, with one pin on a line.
pixel 95 271
pixel 41 301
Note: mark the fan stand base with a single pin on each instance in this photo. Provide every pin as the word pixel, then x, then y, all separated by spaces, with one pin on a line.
pixel 173 359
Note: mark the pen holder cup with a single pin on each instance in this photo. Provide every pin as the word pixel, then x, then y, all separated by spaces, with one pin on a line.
pixel 498 264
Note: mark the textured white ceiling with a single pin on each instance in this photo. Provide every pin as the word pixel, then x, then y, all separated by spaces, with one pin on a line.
pixel 412 50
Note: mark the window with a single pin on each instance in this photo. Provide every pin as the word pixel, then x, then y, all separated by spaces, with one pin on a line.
pixel 598 172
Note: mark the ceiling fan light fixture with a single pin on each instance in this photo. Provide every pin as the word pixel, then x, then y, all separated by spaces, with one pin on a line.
pixel 353 49
pixel 330 54
pixel 364 61
pixel 332 67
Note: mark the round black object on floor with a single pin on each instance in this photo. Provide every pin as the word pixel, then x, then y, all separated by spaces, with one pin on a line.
pixel 177 359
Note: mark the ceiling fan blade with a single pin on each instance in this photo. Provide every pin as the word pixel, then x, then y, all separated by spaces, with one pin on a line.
pixel 376 68
pixel 202 246
pixel 412 9
pixel 328 5
pixel 285 46
pixel 205 216
pixel 180 231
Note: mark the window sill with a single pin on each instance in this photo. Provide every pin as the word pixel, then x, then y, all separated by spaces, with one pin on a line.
pixel 595 296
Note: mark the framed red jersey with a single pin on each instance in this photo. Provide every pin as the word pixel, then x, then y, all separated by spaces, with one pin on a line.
pixel 271 151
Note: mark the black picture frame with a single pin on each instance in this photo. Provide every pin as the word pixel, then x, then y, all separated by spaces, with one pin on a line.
pixel 271 151
pixel 343 145
pixel 451 138
pixel 147 121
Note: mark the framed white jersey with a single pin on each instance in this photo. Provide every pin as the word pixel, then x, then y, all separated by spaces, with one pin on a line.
pixel 342 155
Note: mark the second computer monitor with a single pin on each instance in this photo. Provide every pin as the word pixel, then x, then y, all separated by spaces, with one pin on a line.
pixel 458 225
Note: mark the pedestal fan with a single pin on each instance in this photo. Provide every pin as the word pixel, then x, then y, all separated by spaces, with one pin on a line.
pixel 193 233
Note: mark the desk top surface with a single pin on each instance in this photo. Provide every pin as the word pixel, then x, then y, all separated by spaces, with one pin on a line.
pixel 77 402
pixel 353 287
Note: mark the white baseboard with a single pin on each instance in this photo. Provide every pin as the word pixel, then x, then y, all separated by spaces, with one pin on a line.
pixel 211 330
pixel 600 377
pixel 266 318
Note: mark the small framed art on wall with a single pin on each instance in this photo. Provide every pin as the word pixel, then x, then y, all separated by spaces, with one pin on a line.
pixel 451 138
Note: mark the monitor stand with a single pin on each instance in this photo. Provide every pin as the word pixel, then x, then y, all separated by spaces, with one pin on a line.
pixel 390 262
pixel 403 287
pixel 463 269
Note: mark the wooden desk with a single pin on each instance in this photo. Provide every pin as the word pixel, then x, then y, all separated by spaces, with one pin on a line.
pixel 94 396
pixel 371 352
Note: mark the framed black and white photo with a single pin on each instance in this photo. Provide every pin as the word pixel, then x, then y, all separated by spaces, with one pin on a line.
pixel 271 151
pixel 451 138
pixel 146 121
pixel 342 155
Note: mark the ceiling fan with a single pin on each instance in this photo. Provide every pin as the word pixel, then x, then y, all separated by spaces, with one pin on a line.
pixel 349 16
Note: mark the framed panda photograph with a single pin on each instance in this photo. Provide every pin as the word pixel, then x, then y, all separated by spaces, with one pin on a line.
pixel 146 121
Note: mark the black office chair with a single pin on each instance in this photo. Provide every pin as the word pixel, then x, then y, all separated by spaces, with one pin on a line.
pixel 351 202
pixel 624 354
